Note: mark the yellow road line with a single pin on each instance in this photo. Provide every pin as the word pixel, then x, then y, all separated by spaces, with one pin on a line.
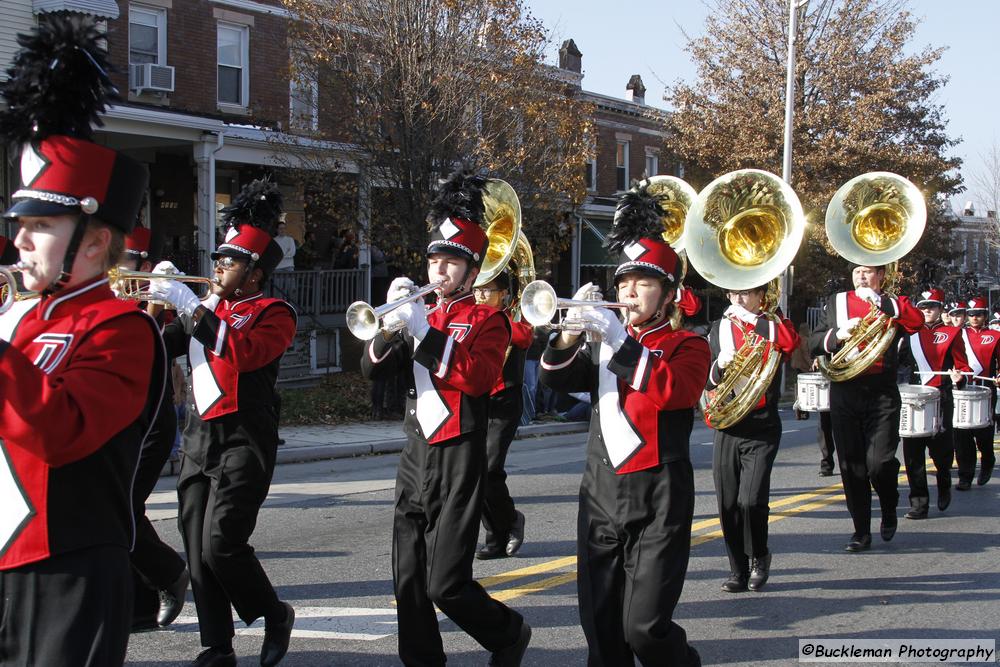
pixel 537 587
pixel 548 566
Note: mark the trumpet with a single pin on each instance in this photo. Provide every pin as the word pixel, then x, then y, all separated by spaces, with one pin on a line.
pixel 365 321
pixel 128 284
pixel 539 304
pixel 9 294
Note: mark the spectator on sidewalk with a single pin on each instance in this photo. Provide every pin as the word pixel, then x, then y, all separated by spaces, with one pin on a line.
pixel 530 387
pixel 288 248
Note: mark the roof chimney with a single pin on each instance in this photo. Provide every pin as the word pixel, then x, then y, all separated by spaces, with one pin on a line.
pixel 992 215
pixel 635 91
pixel 570 57
pixel 969 209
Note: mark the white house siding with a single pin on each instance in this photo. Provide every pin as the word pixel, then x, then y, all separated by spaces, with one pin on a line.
pixel 15 17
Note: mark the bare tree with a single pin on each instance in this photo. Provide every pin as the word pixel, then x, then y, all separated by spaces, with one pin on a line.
pixel 861 105
pixel 984 187
pixel 418 88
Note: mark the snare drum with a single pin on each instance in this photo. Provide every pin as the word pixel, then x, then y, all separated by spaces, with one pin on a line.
pixel 920 411
pixel 972 408
pixel 813 391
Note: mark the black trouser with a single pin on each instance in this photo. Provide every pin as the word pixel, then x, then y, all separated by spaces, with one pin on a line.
pixel 865 415
pixel 72 609
pixel 154 562
pixel 824 436
pixel 742 471
pixel 940 448
pixel 439 494
pixel 968 440
pixel 633 543
pixel 219 503
pixel 498 507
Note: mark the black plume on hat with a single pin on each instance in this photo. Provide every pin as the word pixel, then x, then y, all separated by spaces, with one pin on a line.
pixel 58 83
pixel 461 196
pixel 259 203
pixel 637 217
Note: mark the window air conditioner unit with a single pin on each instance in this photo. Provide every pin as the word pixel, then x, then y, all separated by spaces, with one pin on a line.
pixel 149 76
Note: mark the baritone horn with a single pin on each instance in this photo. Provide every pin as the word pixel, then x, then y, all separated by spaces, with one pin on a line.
pixel 539 304
pixel 365 321
pixel 9 294
pixel 873 220
pixel 132 285
pixel 742 232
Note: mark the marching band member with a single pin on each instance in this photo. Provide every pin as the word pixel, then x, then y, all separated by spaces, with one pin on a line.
pixel 504 524
pixel 637 492
pixel 234 342
pixel 454 357
pixel 983 353
pixel 160 578
pixel 865 409
pixel 932 349
pixel 82 372
pixel 744 452
pixel 995 321
pixel 957 314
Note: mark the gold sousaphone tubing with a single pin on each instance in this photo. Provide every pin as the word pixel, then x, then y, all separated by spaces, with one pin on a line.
pixel 539 304
pixel 133 285
pixel 9 294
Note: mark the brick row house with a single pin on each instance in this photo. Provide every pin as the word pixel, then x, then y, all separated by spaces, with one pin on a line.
pixel 201 79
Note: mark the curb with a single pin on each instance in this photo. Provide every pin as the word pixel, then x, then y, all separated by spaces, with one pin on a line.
pixel 305 454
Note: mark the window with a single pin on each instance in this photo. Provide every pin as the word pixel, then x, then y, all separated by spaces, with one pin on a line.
pixel 621 166
pixel 303 100
pixel 590 174
pixel 147 35
pixel 234 70
pixel 652 164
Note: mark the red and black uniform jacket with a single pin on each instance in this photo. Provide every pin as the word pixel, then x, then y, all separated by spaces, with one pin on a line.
pixel 730 335
pixel 934 347
pixel 82 375
pixel 234 353
pixel 844 306
pixel 982 352
pixel 643 395
pixel 451 371
pixel 512 375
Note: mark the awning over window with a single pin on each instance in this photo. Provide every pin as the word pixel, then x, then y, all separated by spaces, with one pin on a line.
pixel 107 9
pixel 592 250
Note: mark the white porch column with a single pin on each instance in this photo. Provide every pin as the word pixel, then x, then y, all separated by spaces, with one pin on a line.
pixel 204 156
pixel 576 249
pixel 364 225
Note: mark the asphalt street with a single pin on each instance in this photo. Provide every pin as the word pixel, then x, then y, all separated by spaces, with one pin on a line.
pixel 324 538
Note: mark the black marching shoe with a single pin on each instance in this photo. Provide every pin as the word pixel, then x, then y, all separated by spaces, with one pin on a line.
pixel 215 657
pixel 276 638
pixel 888 528
pixel 512 655
pixel 916 513
pixel 823 472
pixel 985 473
pixel 759 570
pixel 963 485
pixel 172 599
pixel 516 534
pixel 491 551
pixel 944 498
pixel 859 543
pixel 736 583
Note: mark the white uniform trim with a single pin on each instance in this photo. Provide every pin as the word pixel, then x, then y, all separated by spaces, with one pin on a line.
pixel 445 358
pixel 51 305
pixel 917 350
pixel 376 360
pixel 974 362
pixel 431 408
pixel 640 370
pixel 203 383
pixel 555 367
pixel 220 339
pixel 620 438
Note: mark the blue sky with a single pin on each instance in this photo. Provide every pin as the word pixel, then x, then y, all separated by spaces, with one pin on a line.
pixel 627 37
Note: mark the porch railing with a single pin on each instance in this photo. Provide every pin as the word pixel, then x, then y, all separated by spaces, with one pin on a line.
pixel 317 293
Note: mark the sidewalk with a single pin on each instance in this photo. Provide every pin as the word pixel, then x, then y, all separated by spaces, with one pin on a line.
pixel 319 443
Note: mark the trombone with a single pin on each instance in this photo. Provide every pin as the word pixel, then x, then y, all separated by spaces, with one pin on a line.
pixel 9 294
pixel 128 284
pixel 539 304
pixel 365 321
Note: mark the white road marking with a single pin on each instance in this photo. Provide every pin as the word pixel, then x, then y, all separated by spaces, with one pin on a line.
pixel 348 623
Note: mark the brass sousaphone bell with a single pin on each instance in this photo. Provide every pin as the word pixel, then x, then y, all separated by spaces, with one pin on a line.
pixel 873 220
pixel 508 246
pixel 743 231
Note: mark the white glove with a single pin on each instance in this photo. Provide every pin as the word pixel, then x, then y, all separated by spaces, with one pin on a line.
pixel 582 294
pixel 725 358
pixel 414 316
pixel 868 294
pixel 844 332
pixel 400 288
pixel 607 325
pixel 176 293
pixel 167 267
pixel 738 312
